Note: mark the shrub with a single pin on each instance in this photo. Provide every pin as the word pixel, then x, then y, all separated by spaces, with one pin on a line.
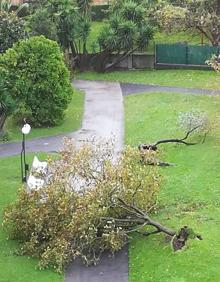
pixel 85 207
pixel 7 105
pixel 11 30
pixel 38 80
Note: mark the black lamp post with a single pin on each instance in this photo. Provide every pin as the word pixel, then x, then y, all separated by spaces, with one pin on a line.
pixel 24 166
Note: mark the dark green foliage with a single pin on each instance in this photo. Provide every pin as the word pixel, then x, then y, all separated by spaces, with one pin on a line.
pixel 100 12
pixel 128 30
pixel 65 21
pixel 41 24
pixel 84 6
pixel 11 30
pixel 7 104
pixel 38 80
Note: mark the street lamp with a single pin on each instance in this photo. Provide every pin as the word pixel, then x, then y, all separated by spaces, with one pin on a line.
pixel 24 166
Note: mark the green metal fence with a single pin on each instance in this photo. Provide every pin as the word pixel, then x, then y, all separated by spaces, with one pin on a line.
pixel 184 54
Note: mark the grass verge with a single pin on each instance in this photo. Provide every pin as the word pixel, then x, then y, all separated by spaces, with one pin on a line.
pixel 189 194
pixel 12 267
pixel 180 78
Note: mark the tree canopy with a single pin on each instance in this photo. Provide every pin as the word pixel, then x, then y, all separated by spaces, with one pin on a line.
pixel 12 29
pixel 201 15
pixel 7 103
pixel 38 80
pixel 128 30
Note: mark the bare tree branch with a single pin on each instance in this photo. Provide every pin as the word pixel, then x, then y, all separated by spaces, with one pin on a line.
pixel 172 140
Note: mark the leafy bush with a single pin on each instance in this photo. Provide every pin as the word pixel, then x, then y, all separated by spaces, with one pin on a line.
pixel 38 80
pixel 11 30
pixel 89 205
pixel 7 105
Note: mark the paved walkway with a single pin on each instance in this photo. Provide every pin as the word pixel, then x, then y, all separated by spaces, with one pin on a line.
pixel 133 88
pixel 103 118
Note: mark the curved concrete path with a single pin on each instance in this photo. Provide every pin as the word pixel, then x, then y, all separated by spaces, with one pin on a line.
pixel 134 88
pixel 103 118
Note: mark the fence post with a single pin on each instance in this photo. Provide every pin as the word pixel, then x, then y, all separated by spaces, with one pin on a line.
pixel 187 54
pixel 130 61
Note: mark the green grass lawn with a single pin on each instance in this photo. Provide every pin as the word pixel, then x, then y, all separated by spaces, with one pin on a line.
pixel 71 122
pixel 15 268
pixel 189 193
pixel 181 78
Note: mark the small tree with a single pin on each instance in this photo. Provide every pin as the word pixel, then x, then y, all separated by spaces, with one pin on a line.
pixel 11 30
pixel 38 80
pixel 127 31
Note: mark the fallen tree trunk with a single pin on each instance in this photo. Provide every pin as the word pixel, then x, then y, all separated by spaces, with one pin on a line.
pixel 139 219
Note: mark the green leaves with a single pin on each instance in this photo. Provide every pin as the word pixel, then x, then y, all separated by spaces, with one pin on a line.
pixel 128 24
pixel 12 29
pixel 202 15
pixel 38 80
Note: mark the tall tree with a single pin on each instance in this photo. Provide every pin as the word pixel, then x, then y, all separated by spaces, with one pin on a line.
pixel 201 15
pixel 127 31
pixel 70 20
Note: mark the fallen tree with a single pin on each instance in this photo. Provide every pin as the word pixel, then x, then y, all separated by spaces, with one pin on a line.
pixel 194 123
pixel 92 203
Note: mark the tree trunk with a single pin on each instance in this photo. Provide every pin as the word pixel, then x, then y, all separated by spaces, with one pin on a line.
pixel 120 59
pixel 3 118
pixel 100 60
pixel 84 62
